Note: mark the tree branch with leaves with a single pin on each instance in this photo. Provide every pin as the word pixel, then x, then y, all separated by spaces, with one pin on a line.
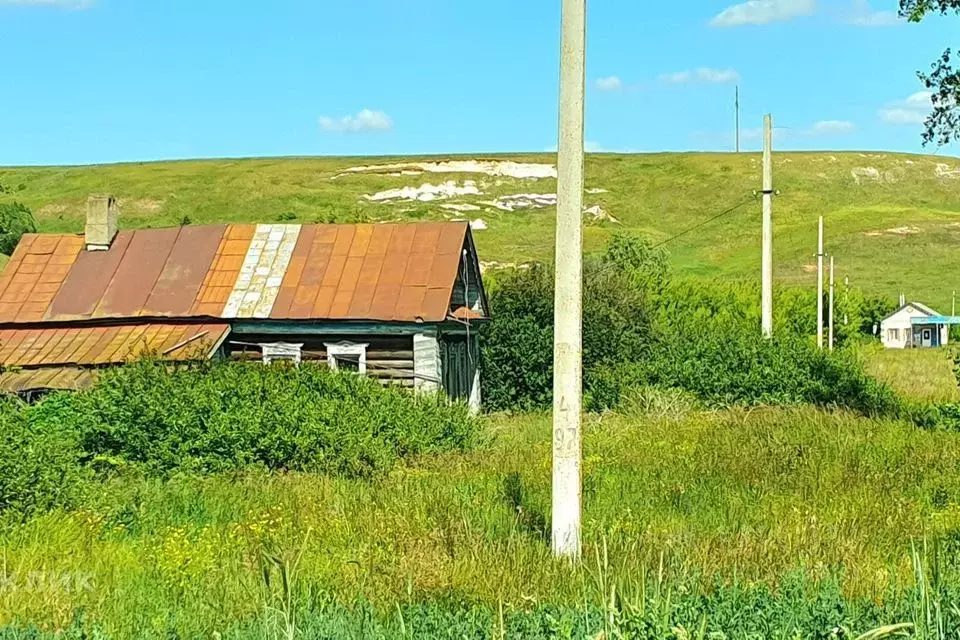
pixel 942 126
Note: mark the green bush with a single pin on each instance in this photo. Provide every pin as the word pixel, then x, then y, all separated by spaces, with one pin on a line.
pixel 217 417
pixel 728 364
pixel 15 220
pixel 40 460
pixel 640 328
pixel 518 343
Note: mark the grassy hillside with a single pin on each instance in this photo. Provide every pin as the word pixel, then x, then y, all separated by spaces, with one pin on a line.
pixel 893 220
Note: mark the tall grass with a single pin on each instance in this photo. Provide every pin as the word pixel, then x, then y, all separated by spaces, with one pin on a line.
pixel 753 520
pixel 921 374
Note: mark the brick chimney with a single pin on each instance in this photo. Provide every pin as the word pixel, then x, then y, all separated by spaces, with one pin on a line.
pixel 101 222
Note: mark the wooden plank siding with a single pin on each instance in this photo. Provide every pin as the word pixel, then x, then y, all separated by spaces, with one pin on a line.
pixel 389 358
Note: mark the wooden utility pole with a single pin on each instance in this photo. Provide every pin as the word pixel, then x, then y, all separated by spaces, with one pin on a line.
pixel 736 108
pixel 568 329
pixel 820 285
pixel 831 304
pixel 766 262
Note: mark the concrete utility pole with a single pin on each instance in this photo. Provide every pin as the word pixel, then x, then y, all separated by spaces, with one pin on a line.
pixel 831 303
pixel 736 108
pixel 766 262
pixel 568 329
pixel 820 285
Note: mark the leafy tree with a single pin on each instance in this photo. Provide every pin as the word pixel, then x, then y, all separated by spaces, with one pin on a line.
pixel 15 220
pixel 943 124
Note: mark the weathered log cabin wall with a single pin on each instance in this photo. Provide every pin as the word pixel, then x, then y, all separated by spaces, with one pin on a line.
pixel 389 358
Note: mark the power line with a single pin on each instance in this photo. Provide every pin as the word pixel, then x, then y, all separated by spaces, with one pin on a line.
pixel 699 225
pixel 702 224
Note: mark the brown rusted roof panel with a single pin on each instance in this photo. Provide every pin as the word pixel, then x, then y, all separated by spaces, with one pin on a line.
pixel 224 270
pixel 87 281
pixel 50 378
pixel 389 272
pixel 34 274
pixel 186 268
pixel 294 274
pixel 137 273
pixel 40 347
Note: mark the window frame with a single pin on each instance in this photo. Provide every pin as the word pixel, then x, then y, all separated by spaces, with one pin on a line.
pixel 346 349
pixel 281 352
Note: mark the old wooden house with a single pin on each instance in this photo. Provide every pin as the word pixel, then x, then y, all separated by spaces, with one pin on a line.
pixel 398 302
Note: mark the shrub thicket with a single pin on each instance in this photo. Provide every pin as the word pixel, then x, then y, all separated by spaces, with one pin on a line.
pixel 156 420
pixel 642 328
pixel 216 417
pixel 518 343
pixel 40 460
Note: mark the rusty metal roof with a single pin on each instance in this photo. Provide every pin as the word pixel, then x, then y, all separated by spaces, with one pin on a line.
pixel 91 345
pixel 389 272
pixel 48 378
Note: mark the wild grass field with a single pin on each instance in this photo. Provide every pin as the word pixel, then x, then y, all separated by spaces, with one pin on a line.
pixel 892 219
pixel 828 510
pixel 922 374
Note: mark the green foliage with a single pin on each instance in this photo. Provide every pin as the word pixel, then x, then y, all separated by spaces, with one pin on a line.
pixel 657 611
pixel 771 523
pixel 40 460
pixel 518 343
pixel 942 126
pixel 725 363
pixel 216 417
pixel 643 329
pixel 15 220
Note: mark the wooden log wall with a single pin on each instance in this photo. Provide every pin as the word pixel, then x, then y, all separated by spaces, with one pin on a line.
pixel 389 358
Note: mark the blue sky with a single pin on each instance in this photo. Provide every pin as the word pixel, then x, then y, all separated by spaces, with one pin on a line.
pixel 90 81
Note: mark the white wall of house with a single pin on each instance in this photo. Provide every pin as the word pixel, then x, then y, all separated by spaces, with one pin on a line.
pixel 896 332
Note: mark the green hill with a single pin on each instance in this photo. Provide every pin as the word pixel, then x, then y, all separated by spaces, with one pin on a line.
pixel 892 220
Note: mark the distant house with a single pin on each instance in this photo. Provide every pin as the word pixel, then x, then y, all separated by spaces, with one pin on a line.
pixel 914 325
pixel 396 302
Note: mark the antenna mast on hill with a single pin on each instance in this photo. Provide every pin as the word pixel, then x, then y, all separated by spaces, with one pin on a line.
pixel 568 307
pixel 736 108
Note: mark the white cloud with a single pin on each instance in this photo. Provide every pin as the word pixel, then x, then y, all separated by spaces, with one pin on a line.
pixel 913 110
pixel 757 12
pixel 863 15
pixel 750 135
pixel 610 83
pixel 704 75
pixel 62 4
pixel 831 127
pixel 365 120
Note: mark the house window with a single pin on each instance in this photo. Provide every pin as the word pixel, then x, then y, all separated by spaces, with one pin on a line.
pixel 347 356
pixel 893 334
pixel 281 352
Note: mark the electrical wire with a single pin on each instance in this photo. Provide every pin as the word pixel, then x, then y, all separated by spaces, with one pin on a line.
pixel 702 224
pixel 689 230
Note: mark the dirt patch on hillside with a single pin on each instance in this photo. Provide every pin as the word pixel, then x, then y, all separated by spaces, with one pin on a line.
pixel 895 231
pixel 52 210
pixel 140 205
